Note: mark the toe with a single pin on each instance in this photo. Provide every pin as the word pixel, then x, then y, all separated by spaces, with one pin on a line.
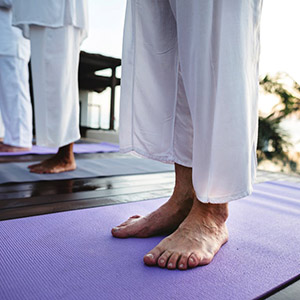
pixel 183 262
pixel 151 257
pixel 193 261
pixel 135 217
pixel 118 232
pixel 35 170
pixel 115 231
pixel 34 166
pixel 205 259
pixel 172 263
pixel 163 259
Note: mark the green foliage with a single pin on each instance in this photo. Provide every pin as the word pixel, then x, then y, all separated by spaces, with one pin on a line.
pixel 287 89
pixel 272 140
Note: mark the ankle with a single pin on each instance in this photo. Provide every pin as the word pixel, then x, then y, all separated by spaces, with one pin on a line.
pixel 66 153
pixel 217 212
pixel 182 196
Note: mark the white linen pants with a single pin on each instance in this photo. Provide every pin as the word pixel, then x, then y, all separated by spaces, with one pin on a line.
pixel 15 103
pixel 54 61
pixel 190 88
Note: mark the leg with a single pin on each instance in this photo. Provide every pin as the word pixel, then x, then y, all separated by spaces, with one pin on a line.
pixel 15 104
pixel 55 58
pixel 166 218
pixel 215 114
pixel 221 87
pixel 62 161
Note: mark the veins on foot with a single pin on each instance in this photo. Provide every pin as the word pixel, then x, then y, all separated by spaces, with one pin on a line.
pixel 164 220
pixel 195 242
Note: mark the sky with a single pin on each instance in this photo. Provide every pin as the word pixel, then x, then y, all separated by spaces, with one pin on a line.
pixel 280 42
pixel 280 27
pixel 106 20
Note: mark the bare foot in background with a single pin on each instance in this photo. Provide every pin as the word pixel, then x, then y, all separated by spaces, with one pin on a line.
pixel 9 148
pixel 62 161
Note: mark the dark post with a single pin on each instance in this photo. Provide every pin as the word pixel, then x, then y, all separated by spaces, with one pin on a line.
pixel 112 99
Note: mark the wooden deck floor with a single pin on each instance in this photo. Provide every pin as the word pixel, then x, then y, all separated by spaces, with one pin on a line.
pixel 28 199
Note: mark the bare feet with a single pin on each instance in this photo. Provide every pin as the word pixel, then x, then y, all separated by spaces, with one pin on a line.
pixel 9 148
pixel 195 242
pixel 168 217
pixel 200 228
pixel 62 161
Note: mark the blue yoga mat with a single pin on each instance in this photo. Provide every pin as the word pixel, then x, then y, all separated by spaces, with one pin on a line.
pixel 71 255
pixel 86 168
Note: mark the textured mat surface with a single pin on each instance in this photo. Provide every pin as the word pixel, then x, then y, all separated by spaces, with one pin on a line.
pixel 71 255
pixel 18 172
pixel 78 148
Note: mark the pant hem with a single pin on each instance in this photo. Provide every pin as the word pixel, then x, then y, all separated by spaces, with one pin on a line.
pixel 58 145
pixel 225 199
pixel 164 159
pixel 16 144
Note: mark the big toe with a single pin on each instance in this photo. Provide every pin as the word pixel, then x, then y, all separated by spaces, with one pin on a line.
pixel 122 232
pixel 132 227
pixel 150 259
pixel 116 231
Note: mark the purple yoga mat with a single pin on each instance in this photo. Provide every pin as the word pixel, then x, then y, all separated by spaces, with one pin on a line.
pixel 78 148
pixel 72 255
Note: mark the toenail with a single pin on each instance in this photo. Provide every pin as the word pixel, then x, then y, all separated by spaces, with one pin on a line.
pixel 150 255
pixel 181 266
pixel 192 260
pixel 162 261
pixel 115 228
pixel 170 265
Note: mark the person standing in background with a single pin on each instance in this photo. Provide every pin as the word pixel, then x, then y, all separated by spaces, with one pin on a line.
pixel 15 104
pixel 55 29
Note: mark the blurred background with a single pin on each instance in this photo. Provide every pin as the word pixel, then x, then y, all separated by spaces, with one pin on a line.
pixel 279 102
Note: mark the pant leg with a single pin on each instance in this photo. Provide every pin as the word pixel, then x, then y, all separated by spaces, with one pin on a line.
pixel 149 64
pixel 218 44
pixel 55 59
pixel 15 104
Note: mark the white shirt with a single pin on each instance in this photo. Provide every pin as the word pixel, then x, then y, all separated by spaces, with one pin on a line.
pixel 50 13
pixel 12 42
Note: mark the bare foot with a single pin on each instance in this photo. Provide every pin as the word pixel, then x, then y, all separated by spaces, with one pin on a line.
pixel 9 148
pixel 166 218
pixel 62 161
pixel 195 242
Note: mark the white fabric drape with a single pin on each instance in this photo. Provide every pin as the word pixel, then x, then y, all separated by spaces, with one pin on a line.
pixel 190 89
pixel 11 40
pixel 54 61
pixel 15 105
pixel 51 13
pixel 56 29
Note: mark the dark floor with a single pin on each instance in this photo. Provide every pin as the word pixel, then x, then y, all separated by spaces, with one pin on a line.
pixel 28 199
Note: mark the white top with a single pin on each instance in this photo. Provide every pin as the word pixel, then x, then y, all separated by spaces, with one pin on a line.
pixel 12 42
pixel 50 13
